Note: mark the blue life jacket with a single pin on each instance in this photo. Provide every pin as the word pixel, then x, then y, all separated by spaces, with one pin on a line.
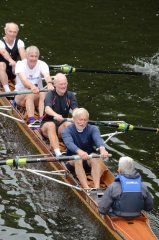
pixel 131 201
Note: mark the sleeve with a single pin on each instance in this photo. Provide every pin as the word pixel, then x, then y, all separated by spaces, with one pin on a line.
pixel 73 100
pixel 106 201
pixel 68 140
pixel 148 200
pixel 2 45
pixel 99 142
pixel 20 44
pixel 44 68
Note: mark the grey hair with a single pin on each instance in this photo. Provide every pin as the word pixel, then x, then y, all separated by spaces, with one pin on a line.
pixel 32 49
pixel 7 25
pixel 59 76
pixel 77 112
pixel 126 165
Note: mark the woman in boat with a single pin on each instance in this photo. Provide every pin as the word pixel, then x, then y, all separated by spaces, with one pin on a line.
pixel 127 196
pixel 10 49
pixel 80 139
pixel 28 76
pixel 58 104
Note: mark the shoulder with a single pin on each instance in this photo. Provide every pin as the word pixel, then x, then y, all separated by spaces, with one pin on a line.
pixel 70 94
pixel 92 127
pixel 43 65
pixel 20 43
pixel 2 45
pixel 51 93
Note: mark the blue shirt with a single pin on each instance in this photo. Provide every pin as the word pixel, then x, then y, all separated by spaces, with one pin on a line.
pixel 85 140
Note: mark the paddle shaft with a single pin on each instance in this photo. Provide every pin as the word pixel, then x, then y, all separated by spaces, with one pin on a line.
pixel 69 69
pixel 84 70
pixel 24 160
pixel 123 126
pixel 14 93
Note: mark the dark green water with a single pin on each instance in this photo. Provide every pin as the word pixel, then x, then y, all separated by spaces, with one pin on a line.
pixel 95 34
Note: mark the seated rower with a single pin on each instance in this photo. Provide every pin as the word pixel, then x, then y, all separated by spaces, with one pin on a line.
pixel 127 196
pixel 11 48
pixel 57 106
pixel 28 77
pixel 80 138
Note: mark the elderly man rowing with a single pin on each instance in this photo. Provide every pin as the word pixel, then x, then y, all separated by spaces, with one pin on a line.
pixel 57 106
pixel 80 139
pixel 28 76
pixel 10 49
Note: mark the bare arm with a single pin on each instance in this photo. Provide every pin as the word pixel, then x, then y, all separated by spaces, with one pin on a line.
pixel 52 113
pixel 22 53
pixel 48 81
pixel 6 55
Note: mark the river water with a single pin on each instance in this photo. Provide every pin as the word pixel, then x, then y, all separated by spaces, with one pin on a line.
pixel 115 35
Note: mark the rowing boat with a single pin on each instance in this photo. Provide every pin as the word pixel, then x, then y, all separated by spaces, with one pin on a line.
pixel 120 228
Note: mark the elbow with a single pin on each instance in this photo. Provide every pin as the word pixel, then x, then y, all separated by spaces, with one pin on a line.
pixel 102 211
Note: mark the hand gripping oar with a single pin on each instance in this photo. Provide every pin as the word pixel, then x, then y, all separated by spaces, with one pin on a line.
pixel 14 93
pixel 65 68
pixel 19 161
pixel 123 126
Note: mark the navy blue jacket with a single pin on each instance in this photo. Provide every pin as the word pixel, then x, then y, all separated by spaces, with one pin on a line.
pixel 85 140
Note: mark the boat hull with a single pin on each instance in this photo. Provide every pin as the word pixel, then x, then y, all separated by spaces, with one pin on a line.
pixel 119 228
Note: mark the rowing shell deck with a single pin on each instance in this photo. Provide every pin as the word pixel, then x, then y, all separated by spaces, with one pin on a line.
pixel 119 228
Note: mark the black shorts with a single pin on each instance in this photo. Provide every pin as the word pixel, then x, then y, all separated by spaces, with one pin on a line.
pixel 10 74
pixel 57 124
pixel 86 167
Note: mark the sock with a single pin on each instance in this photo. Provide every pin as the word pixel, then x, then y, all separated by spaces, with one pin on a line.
pixel 57 152
pixel 6 88
pixel 31 119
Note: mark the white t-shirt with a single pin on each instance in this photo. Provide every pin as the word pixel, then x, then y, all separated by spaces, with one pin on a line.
pixel 20 44
pixel 33 75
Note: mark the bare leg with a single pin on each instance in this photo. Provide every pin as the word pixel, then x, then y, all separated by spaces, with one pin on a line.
pixel 3 75
pixel 20 100
pixel 30 108
pixel 62 126
pixel 41 103
pixel 96 171
pixel 49 130
pixel 80 172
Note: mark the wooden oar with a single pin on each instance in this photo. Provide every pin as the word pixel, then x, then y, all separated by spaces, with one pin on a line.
pixel 14 93
pixel 18 161
pixel 69 69
pixel 123 126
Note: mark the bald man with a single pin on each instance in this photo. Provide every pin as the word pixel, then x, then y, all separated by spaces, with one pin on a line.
pixel 11 48
pixel 57 106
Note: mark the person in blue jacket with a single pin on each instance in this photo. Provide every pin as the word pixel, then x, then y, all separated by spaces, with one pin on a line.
pixel 80 138
pixel 127 196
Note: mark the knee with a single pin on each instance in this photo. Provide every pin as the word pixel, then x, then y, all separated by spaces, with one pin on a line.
pixel 48 127
pixel 78 163
pixel 29 97
pixel 94 162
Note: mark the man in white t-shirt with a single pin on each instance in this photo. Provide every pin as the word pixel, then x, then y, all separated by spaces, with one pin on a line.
pixel 11 48
pixel 29 74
